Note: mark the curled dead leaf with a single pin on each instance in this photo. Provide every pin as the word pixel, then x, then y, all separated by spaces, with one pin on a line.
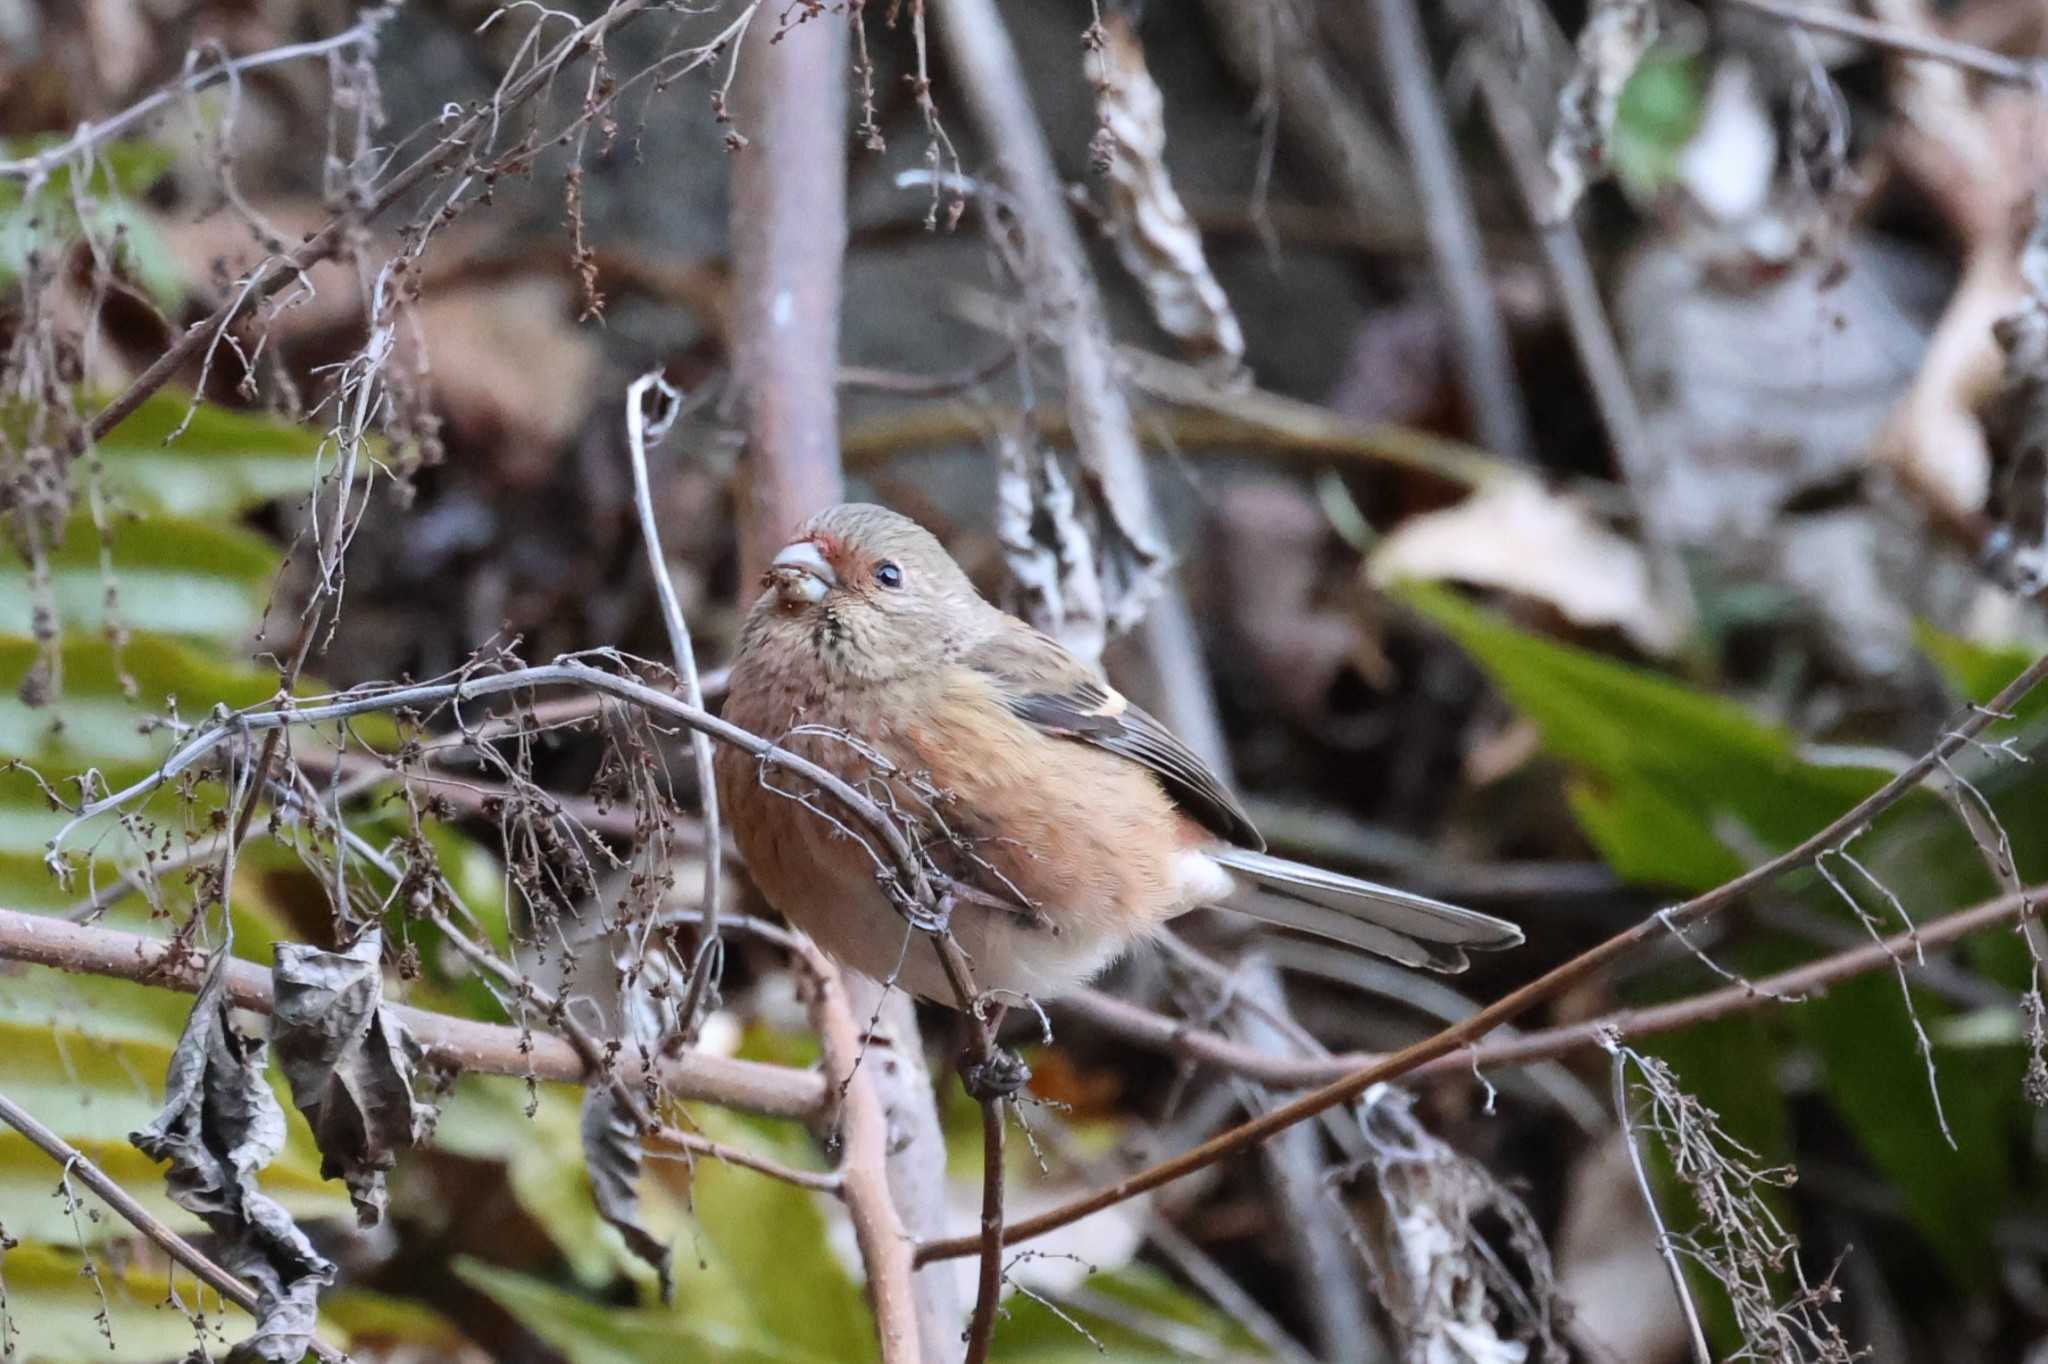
pixel 350 1063
pixel 1616 35
pixel 1050 553
pixel 1155 237
pixel 613 1154
pixel 220 1125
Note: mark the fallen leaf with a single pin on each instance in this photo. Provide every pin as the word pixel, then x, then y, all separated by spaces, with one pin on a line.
pixel 1155 237
pixel 1516 535
pixel 1759 387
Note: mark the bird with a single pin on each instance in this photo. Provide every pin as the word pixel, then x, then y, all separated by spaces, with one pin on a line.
pixel 1066 823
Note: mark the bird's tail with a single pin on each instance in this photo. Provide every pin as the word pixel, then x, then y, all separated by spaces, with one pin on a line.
pixel 1411 929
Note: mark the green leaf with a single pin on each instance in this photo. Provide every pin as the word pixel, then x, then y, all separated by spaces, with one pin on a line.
pixel 30 1191
pixel 127 167
pixel 1114 1307
pixel 766 1243
pixel 1665 772
pixel 588 1332
pixel 178 456
pixel 180 577
pixel 94 723
pixel 754 1275
pixel 224 463
pixel 379 1320
pixel 54 1311
pixel 101 207
pixel 1872 1070
pixel 485 1119
pixel 1659 110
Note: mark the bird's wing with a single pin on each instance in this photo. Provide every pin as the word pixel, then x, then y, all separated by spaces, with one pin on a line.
pixel 1047 687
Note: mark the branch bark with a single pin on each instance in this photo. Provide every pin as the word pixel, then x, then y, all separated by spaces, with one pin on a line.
pixel 788 239
pixel 486 1048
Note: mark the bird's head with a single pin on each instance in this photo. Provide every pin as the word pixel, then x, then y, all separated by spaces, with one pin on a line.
pixel 872 593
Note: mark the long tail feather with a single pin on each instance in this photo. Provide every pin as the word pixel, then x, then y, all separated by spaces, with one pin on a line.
pixel 1412 929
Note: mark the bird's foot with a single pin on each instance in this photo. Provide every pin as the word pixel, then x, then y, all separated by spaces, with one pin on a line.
pixel 1001 1074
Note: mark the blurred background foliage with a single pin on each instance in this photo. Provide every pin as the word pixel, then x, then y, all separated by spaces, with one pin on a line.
pixel 1424 733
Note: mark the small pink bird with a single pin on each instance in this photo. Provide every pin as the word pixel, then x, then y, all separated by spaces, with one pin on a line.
pixel 1071 822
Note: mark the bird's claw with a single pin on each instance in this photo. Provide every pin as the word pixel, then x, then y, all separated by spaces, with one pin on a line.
pixel 998 1076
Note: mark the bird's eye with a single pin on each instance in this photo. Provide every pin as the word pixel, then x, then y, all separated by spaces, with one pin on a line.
pixel 888 575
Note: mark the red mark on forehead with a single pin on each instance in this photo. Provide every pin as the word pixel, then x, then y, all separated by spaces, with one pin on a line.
pixel 842 554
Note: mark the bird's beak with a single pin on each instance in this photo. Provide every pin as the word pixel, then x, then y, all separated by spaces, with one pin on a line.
pixel 801 574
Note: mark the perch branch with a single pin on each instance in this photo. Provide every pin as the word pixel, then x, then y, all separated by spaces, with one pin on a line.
pixel 885 1246
pixel 485 1048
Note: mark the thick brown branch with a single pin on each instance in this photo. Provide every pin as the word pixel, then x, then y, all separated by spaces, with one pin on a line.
pixel 486 1048
pixel 885 1246
pixel 789 245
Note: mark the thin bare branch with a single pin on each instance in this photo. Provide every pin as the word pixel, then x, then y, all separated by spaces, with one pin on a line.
pixel 90 135
pixel 1905 42
pixel 451 147
pixel 885 1247
pixel 1485 362
pixel 709 956
pixel 1667 1249
pixel 76 1163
